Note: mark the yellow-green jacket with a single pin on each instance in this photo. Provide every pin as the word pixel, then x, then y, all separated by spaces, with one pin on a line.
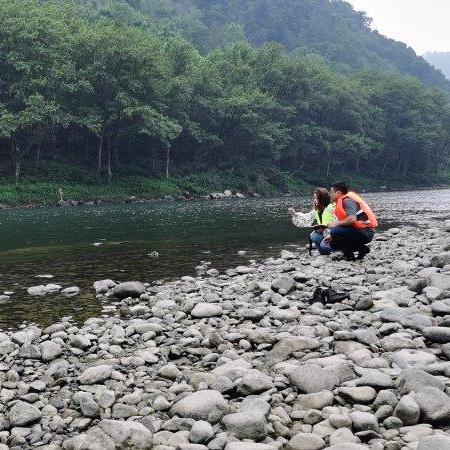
pixel 326 217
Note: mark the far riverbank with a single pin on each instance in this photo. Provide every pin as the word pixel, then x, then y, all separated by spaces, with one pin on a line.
pixel 30 193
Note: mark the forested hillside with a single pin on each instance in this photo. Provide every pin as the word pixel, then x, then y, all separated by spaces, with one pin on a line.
pixel 98 97
pixel 333 29
pixel 440 60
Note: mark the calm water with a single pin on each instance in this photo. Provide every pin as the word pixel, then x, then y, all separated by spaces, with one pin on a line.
pixel 59 241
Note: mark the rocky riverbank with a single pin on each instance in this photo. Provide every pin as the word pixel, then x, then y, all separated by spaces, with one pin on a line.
pixel 245 361
pixel 186 196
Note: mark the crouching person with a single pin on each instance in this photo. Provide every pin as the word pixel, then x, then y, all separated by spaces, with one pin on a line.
pixel 354 225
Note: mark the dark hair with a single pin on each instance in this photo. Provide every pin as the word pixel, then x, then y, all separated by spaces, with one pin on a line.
pixel 323 198
pixel 340 186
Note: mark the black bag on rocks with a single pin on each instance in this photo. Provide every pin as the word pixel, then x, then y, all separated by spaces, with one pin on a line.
pixel 328 295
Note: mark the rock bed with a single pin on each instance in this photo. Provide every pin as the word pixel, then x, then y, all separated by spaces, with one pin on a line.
pixel 245 361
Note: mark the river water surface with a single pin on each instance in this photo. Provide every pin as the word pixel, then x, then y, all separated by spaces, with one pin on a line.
pixel 60 242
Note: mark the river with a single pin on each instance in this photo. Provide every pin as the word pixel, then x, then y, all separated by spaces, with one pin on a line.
pixel 60 242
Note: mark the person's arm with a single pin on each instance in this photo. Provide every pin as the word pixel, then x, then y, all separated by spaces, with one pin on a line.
pixel 351 209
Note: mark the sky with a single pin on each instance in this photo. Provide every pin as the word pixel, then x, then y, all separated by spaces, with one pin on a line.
pixel 424 25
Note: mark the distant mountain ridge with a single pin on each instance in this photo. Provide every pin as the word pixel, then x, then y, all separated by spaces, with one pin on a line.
pixel 440 60
pixel 331 28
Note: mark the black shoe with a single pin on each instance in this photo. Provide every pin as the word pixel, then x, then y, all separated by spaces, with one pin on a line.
pixel 349 256
pixel 319 296
pixel 363 251
pixel 336 297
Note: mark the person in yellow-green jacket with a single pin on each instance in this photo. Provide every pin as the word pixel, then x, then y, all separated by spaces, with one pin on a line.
pixel 323 216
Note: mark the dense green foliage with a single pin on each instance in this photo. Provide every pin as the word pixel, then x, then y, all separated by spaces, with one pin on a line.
pixel 440 60
pixel 332 29
pixel 116 97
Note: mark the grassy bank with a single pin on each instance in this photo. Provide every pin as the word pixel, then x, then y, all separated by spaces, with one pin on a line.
pixel 38 192
pixel 34 191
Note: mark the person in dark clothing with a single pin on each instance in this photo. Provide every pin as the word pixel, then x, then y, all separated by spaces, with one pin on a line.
pixel 354 226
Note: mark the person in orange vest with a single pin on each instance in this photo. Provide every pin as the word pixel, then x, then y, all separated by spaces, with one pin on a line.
pixel 354 225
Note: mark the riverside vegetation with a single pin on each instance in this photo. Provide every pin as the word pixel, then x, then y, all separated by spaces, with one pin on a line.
pixel 114 98
pixel 243 360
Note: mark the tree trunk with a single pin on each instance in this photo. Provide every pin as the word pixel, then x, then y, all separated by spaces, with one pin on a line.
pixel 99 156
pixel 38 154
pixel 167 162
pixel 86 146
pixel 406 167
pixel 116 156
pixel 357 163
pixel 328 167
pixel 384 169
pixel 38 150
pixel 17 161
pixel 17 171
pixel 398 167
pixel 108 163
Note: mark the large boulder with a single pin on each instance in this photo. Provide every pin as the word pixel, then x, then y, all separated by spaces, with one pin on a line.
pixel 407 410
pixel 112 435
pixel 441 260
pixel 201 432
pixel 128 434
pixel 283 285
pixel 310 378
pixel 38 291
pixel 437 334
pixel 50 350
pixel 232 370
pixel 409 357
pixel 246 425
pixel 413 380
pixel 23 414
pixel 306 441
pixel 287 346
pixel 317 400
pixel 363 394
pixel 440 281
pixel 205 310
pixel 441 307
pixel 205 405
pixel 96 374
pixel 128 289
pixel 402 296
pixel 6 346
pixel 364 421
pixel 255 382
pixel 434 405
pixel 94 439
pixel 103 286
pixel 26 336
pixel 436 442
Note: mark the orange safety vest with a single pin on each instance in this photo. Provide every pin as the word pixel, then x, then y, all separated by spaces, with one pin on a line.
pixel 339 211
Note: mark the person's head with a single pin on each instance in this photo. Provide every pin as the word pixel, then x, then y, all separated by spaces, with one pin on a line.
pixel 321 198
pixel 337 190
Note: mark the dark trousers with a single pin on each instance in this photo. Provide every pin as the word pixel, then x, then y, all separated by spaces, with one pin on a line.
pixel 347 239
